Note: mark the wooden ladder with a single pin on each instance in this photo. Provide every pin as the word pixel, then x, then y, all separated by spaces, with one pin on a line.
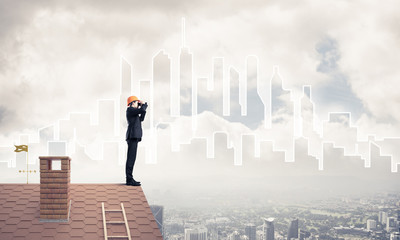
pixel 106 237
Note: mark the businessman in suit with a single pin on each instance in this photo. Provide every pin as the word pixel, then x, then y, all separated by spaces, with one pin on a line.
pixel 135 114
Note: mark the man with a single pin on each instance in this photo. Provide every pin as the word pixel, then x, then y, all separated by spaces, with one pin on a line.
pixel 135 114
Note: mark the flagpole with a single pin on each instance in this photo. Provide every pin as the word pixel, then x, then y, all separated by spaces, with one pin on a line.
pixel 27 162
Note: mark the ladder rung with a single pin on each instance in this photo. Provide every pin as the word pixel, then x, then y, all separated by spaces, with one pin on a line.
pixel 113 210
pixel 116 222
pixel 118 236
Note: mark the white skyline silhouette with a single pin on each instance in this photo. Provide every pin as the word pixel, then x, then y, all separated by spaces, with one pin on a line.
pixel 283 113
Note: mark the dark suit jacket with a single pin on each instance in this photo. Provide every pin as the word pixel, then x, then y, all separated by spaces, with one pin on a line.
pixel 135 117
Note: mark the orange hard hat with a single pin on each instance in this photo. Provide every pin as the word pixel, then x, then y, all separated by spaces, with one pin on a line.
pixel 132 98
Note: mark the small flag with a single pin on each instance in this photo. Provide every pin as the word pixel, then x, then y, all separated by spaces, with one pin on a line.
pixel 21 148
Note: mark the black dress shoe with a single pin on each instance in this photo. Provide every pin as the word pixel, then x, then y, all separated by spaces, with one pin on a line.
pixel 136 181
pixel 132 183
pixel 131 180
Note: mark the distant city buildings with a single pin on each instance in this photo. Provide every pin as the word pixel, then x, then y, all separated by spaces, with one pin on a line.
pixel 398 220
pixel 196 233
pixel 382 217
pixel 293 231
pixel 268 228
pixel 395 236
pixel 250 231
pixel 235 236
pixel 391 224
pixel 158 212
pixel 304 235
pixel 322 219
pixel 371 224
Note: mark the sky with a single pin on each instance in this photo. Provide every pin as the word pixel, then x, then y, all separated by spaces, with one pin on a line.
pixel 58 57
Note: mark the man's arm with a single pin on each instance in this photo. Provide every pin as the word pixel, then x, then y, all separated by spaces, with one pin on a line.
pixel 142 115
pixel 132 112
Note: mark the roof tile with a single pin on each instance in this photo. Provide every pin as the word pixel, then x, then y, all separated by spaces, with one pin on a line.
pixel 6 235
pixel 63 236
pixel 48 232
pixel 51 225
pixel 77 216
pixel 77 232
pixel 91 236
pixel 135 232
pixel 17 213
pixel 6 210
pixel 18 238
pixel 13 221
pixel 141 214
pixel 25 224
pixel 92 228
pixel 31 210
pixel 64 228
pixel 9 229
pixel 33 236
pixel 77 224
pixel 145 229
pixel 90 214
pixel 22 202
pixel 142 220
pixel 78 204
pixel 21 232
pixel 36 229
pixel 90 220
pixel 78 210
pixel 147 236
pixel 2 223
pixel 46 238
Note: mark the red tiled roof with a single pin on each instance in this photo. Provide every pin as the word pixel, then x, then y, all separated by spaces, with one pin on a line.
pixel 20 212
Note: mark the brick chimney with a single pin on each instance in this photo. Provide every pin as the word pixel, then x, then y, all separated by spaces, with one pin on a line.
pixel 55 174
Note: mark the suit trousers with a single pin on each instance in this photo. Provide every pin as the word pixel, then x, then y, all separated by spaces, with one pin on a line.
pixel 131 157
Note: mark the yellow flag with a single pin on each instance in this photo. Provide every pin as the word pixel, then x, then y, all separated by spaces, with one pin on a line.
pixel 21 148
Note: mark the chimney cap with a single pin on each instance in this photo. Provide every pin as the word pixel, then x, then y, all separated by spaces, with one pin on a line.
pixel 55 158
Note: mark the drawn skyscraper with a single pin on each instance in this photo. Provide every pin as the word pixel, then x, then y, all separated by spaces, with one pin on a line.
pixel 161 87
pixel 308 124
pixel 307 113
pixel 186 81
pixel 234 97
pixel 126 91
pixel 106 118
pixel 254 107
pixel 145 90
pixel 282 113
pixel 280 96
pixel 339 131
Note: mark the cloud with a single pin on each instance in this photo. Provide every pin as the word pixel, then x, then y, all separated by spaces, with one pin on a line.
pixel 370 50
pixel 57 58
